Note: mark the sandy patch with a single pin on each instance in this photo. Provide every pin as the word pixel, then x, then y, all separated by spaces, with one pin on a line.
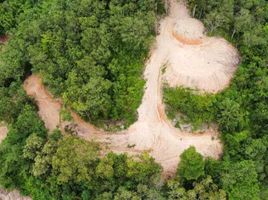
pixel 3 132
pixel 206 66
pixel 195 60
pixel 188 31
pixel 12 195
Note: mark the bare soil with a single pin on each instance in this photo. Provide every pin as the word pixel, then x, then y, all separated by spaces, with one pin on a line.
pixel 12 195
pixel 195 60
pixel 3 132
pixel 207 65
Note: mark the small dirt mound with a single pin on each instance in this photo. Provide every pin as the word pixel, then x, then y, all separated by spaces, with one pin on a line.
pixel 191 35
pixel 195 60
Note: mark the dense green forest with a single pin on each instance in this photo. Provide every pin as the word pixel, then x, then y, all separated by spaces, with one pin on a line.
pixel 57 166
pixel 78 45
pixel 65 167
pixel 241 110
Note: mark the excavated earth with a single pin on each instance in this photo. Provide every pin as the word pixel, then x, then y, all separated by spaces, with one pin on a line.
pixel 191 59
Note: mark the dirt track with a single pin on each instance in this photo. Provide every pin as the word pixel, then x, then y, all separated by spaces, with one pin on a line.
pixel 207 66
pixel 192 60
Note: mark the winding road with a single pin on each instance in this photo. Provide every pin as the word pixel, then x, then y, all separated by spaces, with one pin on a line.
pixel 202 63
pixel 191 59
pixel 153 132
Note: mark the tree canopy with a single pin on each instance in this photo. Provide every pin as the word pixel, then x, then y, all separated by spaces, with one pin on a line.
pixel 91 53
pixel 191 165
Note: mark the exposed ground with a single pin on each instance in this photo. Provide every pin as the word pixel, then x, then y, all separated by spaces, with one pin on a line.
pixel 192 60
pixel 13 195
pixel 3 132
pixel 195 60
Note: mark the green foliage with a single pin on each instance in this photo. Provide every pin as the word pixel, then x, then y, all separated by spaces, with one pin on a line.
pixel 11 100
pixel 73 160
pixel 197 108
pixel 231 117
pixel 264 193
pixel 32 147
pixel 91 100
pixel 242 146
pixel 66 167
pixel 241 110
pixel 240 181
pixel 65 115
pixel 10 13
pixel 192 165
pixel 91 53
pixel 124 194
pixel 143 171
pixel 11 150
pixel 203 190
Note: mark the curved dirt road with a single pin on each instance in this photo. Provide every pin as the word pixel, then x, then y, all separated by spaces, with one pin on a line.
pixel 190 65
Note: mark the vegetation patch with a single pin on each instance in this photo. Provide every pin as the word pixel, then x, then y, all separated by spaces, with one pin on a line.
pixel 59 38
pixel 91 53
pixel 189 106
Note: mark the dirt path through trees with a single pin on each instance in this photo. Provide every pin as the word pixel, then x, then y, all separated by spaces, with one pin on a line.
pixel 207 66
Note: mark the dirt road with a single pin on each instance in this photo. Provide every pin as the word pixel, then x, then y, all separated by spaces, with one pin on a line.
pixel 207 65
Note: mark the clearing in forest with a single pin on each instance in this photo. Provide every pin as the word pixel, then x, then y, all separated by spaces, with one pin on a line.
pixel 191 60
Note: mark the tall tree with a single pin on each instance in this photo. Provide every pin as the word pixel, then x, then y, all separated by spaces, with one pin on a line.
pixel 192 165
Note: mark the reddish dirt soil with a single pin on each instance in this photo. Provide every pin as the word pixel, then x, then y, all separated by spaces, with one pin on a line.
pixel 185 40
